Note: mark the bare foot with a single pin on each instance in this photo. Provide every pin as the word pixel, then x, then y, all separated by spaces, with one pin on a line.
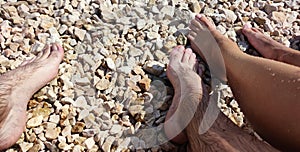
pixel 17 87
pixel 185 82
pixel 270 48
pixel 206 41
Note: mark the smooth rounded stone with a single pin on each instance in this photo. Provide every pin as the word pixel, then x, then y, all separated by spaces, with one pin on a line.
pixel 35 121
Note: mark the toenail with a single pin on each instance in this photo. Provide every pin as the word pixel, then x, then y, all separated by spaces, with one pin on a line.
pixel 189 50
pixel 247 26
pixel 199 16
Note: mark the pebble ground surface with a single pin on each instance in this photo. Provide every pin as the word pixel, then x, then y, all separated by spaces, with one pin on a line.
pixel 112 93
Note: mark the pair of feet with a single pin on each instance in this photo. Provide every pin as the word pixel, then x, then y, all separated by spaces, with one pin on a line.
pixel 18 85
pixel 181 69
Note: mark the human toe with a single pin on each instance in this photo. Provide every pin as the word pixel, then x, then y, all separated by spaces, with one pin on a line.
pixel 57 52
pixel 186 55
pixel 45 52
pixel 192 59
pixel 204 20
pixel 176 54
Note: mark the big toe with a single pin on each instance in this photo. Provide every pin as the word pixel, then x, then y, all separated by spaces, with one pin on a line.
pixel 177 54
pixel 206 21
pixel 57 53
pixel 249 31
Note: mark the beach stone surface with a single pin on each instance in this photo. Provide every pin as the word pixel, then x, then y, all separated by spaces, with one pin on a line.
pixel 111 92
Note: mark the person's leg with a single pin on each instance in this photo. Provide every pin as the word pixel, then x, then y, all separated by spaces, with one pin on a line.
pixel 267 91
pixel 270 48
pixel 223 135
pixel 18 85
pixel 186 112
pixel 180 73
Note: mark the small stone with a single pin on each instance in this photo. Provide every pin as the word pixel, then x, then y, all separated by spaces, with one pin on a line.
pixel 170 45
pixel 14 46
pixel 260 20
pixel 62 29
pixel 115 129
pixel 110 64
pixel 46 22
pixel 105 116
pixel 89 143
pixel 78 127
pixel 23 8
pixel 145 84
pixel 230 15
pixel 5 29
pixel 35 121
pixel 89 132
pixel 103 84
pixel 168 11
pixel 79 33
pixel 195 7
pixel 67 131
pixel 83 114
pixel 141 24
pixel 154 67
pixel 54 118
pixel 52 133
pixel 108 16
pixel 80 102
pixel 269 8
pixel 25 146
pixel 82 81
pixel 108 143
pixel 181 39
pixel 135 109
pixel 279 17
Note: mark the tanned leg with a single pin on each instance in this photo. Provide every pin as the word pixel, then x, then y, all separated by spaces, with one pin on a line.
pixel 270 48
pixel 267 91
pixel 17 87
pixel 224 135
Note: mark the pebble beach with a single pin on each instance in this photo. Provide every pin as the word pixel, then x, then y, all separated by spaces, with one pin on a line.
pixel 111 93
